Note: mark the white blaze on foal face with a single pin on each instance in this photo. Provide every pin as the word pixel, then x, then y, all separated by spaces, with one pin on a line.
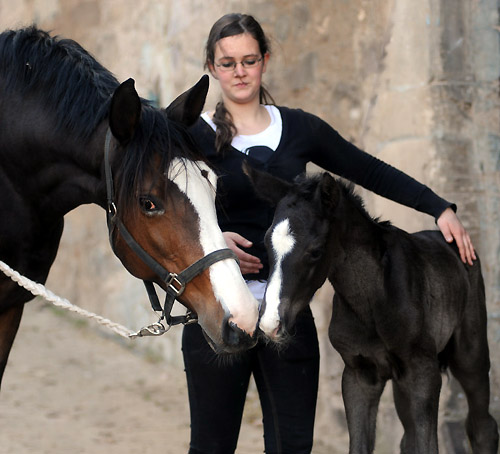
pixel 198 182
pixel 282 243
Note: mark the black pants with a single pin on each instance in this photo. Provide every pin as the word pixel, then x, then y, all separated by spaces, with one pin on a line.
pixel 286 379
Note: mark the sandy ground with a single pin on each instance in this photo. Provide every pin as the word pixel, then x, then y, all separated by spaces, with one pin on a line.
pixel 71 389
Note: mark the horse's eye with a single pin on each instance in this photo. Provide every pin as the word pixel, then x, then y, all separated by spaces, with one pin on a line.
pixel 149 205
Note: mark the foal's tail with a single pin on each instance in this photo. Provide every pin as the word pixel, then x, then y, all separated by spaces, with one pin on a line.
pixel 444 358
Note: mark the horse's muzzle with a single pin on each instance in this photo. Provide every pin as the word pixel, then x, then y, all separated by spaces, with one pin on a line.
pixel 235 339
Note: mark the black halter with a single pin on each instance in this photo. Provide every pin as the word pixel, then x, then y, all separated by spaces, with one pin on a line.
pixel 175 283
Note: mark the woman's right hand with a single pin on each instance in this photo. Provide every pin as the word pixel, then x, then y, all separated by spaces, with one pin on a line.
pixel 452 229
pixel 249 264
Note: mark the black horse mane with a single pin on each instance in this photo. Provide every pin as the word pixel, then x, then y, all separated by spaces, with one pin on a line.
pixel 65 77
pixel 306 185
pixel 77 89
pixel 157 133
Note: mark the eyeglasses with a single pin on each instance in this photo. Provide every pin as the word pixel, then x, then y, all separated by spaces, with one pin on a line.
pixel 247 63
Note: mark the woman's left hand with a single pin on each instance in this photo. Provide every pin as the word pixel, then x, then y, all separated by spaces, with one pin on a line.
pixel 452 229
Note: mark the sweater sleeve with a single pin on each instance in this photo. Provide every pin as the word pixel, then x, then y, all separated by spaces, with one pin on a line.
pixel 335 154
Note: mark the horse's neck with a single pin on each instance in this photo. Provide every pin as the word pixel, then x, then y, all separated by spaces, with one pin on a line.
pixel 62 174
pixel 81 181
pixel 356 256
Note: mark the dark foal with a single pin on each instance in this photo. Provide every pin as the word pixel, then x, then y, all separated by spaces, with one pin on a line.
pixel 405 308
pixel 70 134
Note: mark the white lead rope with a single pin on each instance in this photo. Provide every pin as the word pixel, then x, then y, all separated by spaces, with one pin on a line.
pixel 39 290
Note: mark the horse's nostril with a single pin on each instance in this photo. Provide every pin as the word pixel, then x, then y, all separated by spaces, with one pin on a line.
pixel 234 334
pixel 233 337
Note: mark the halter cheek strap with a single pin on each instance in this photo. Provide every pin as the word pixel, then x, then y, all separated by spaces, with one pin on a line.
pixel 175 283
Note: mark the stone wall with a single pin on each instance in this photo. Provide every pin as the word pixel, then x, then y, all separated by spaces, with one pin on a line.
pixel 414 83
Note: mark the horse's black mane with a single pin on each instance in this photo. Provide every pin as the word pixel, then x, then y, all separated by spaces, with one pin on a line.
pixel 157 133
pixel 306 185
pixel 76 89
pixel 65 76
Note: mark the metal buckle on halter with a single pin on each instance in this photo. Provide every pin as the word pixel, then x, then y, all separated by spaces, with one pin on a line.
pixel 155 329
pixel 175 284
pixel 112 209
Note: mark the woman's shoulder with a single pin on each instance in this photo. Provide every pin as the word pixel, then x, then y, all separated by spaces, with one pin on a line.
pixel 299 119
pixel 294 113
pixel 290 111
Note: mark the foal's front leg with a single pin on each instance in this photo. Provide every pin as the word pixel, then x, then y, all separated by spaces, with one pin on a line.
pixel 416 396
pixel 361 390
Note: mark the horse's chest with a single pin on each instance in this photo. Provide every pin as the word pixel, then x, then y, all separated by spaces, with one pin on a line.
pixel 358 340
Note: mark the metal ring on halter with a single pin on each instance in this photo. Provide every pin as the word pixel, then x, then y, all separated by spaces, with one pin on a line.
pixel 155 329
pixel 112 210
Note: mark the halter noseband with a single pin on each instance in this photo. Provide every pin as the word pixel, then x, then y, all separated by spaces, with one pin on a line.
pixel 175 283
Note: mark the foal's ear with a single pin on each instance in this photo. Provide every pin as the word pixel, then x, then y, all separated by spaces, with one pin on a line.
pixel 125 111
pixel 186 108
pixel 267 187
pixel 327 193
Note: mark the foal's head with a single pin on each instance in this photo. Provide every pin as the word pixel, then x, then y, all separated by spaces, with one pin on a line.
pixel 297 242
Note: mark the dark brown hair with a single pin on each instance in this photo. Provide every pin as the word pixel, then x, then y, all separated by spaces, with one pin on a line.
pixel 232 25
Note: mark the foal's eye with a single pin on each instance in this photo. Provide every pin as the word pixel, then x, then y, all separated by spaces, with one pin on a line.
pixel 314 254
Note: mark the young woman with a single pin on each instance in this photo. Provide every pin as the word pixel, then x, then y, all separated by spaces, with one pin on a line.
pixel 281 141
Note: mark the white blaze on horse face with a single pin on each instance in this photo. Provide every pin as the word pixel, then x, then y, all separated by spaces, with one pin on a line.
pixel 282 242
pixel 227 282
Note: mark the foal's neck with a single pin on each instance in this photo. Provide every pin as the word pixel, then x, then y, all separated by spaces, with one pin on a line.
pixel 356 254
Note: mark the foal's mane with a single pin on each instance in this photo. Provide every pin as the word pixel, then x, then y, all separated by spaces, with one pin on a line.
pixel 306 185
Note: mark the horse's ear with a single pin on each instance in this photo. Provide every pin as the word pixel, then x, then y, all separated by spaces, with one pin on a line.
pixel 186 108
pixel 327 193
pixel 125 111
pixel 267 187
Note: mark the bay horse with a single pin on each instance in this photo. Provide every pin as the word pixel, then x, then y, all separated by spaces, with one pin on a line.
pixel 405 308
pixel 61 113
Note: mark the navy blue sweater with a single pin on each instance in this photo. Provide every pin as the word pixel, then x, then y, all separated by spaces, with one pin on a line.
pixel 305 138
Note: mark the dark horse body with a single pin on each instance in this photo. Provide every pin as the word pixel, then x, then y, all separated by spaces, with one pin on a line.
pixel 57 102
pixel 405 308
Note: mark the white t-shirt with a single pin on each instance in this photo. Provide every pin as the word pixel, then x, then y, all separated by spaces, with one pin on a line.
pixel 270 137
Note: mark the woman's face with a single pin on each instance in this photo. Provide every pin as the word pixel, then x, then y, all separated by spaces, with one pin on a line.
pixel 239 84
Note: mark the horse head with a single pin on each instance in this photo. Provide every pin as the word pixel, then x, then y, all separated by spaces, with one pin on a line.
pixel 165 213
pixel 297 241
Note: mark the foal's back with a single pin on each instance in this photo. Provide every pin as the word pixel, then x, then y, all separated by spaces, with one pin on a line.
pixel 436 284
pixel 426 293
